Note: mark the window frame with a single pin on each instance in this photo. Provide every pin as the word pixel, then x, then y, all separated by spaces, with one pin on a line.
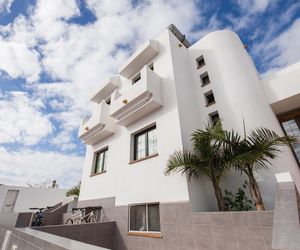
pixel 213 114
pixel 200 59
pixel 147 218
pixel 206 97
pixel 202 76
pixel 135 144
pixel 135 79
pixel 97 156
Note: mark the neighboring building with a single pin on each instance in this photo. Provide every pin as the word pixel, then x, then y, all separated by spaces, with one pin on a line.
pixel 16 199
pixel 165 91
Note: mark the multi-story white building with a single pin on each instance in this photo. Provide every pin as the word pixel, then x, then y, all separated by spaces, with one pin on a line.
pixel 166 90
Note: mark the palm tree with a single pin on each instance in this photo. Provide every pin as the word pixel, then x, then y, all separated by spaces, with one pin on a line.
pixel 253 154
pixel 206 159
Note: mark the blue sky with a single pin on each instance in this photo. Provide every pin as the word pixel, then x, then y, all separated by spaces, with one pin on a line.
pixel 54 54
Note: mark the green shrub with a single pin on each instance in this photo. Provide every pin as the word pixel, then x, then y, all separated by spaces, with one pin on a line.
pixel 238 201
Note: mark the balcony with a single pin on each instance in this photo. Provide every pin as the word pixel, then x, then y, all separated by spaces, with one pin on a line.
pixel 144 97
pixel 97 127
pixel 141 57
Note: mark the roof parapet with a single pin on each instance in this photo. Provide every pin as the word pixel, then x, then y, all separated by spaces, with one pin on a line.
pixel 176 32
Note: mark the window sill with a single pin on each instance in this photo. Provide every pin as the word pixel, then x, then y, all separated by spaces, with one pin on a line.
pixel 212 103
pixel 142 159
pixel 146 234
pixel 91 175
pixel 204 84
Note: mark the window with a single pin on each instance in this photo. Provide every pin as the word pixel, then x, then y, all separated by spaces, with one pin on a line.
pixel 136 78
pixel 291 126
pixel 209 98
pixel 144 218
pixel 151 66
pixel 200 62
pixel 100 161
pixel 204 79
pixel 107 101
pixel 145 143
pixel 214 117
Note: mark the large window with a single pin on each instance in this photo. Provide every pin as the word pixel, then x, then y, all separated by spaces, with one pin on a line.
pixel 144 218
pixel 100 161
pixel 145 143
pixel 291 126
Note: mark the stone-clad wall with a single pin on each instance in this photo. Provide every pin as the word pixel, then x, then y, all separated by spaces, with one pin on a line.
pixel 183 230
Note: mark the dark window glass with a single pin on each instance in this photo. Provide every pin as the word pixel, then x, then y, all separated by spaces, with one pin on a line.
pixel 136 78
pixel 153 218
pixel 138 218
pixel 145 143
pixel 209 98
pixel 205 79
pixel 144 218
pixel 107 101
pixel 151 66
pixel 292 128
pixel 200 62
pixel 214 117
pixel 100 161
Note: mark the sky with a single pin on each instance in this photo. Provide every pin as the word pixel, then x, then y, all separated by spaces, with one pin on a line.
pixel 55 54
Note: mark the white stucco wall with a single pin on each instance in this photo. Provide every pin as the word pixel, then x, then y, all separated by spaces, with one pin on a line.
pixel 32 197
pixel 282 89
pixel 239 95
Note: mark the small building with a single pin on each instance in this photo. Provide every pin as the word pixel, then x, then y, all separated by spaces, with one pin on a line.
pixel 17 199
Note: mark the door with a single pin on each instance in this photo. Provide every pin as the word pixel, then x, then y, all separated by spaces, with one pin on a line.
pixel 10 201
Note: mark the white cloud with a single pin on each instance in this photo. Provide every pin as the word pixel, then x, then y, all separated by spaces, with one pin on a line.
pixel 5 5
pixel 36 166
pixel 21 121
pixel 19 61
pixel 286 47
pixel 253 6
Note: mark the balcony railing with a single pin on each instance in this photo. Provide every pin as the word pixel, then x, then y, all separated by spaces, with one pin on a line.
pixel 144 97
pixel 97 127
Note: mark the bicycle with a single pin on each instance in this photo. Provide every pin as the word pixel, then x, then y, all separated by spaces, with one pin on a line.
pixel 39 217
pixel 81 217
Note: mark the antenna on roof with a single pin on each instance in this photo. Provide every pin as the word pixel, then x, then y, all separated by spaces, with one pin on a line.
pixel 179 35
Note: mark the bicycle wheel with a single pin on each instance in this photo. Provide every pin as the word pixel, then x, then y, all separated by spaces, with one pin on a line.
pixel 40 224
pixel 77 221
pixel 69 221
pixel 92 219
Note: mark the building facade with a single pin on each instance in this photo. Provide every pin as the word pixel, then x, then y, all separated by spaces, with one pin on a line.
pixel 166 90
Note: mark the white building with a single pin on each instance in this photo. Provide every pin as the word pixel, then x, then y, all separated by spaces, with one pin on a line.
pixel 17 199
pixel 166 90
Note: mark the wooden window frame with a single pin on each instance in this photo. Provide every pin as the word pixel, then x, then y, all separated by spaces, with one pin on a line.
pixel 96 159
pixel 135 144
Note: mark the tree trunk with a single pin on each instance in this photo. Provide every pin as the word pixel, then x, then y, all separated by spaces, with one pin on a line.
pixel 254 190
pixel 219 196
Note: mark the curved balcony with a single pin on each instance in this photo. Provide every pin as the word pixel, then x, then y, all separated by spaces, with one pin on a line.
pixel 144 97
pixel 97 127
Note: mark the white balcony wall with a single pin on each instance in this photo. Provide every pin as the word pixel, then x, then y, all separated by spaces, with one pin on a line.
pixel 142 98
pixel 99 126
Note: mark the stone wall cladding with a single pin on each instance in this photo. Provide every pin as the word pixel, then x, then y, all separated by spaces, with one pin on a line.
pixel 184 230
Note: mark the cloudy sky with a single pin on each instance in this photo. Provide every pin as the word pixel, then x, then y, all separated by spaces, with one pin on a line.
pixel 54 54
